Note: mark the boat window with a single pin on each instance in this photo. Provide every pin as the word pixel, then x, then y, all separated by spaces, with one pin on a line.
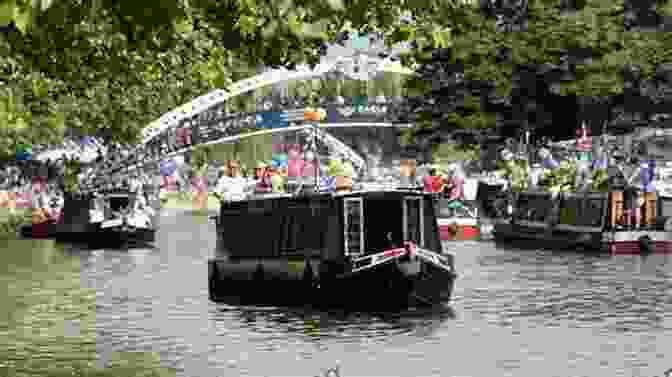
pixel 570 211
pixel 582 211
pixel 353 212
pixel 665 207
pixel 533 208
pixel 413 220
pixel 119 202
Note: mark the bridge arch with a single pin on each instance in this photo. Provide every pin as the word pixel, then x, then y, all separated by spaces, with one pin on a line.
pixel 173 119
pixel 196 106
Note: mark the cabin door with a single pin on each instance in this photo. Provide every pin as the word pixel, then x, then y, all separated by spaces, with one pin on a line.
pixel 353 221
pixel 413 220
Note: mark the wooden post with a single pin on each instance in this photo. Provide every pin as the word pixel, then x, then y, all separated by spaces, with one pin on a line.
pixel 650 208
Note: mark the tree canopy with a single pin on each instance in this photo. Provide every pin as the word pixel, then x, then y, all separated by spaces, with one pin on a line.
pixel 586 53
pixel 108 68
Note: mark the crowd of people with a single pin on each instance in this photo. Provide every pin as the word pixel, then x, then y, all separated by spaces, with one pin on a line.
pixel 32 186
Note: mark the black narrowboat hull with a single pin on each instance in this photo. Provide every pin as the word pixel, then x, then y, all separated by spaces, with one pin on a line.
pixel 95 237
pixel 537 236
pixel 122 237
pixel 567 221
pixel 397 282
pixel 332 251
pixel 44 230
pixel 390 285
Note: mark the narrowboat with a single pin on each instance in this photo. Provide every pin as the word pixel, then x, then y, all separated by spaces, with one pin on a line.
pixel 472 220
pixel 122 218
pixel 110 220
pixel 459 224
pixel 376 249
pixel 586 221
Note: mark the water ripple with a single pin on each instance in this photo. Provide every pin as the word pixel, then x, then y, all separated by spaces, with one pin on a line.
pixel 515 312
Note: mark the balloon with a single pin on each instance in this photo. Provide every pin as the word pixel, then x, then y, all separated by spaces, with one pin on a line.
pixel 551 163
pixel 295 167
pixel 600 164
pixel 167 167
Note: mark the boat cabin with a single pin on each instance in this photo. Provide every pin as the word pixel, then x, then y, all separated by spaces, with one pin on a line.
pixel 571 212
pixel 115 202
pixel 583 212
pixel 328 226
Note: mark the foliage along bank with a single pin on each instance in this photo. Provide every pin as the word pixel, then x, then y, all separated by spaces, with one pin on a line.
pixel 602 60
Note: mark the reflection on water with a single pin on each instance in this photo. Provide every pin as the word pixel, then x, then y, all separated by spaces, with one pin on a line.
pixel 515 312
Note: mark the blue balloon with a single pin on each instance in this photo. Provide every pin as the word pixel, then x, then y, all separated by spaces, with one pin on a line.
pixel 551 163
pixel 167 167
pixel 600 164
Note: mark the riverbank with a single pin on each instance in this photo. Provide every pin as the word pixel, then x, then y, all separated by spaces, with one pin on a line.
pixel 182 201
pixel 10 223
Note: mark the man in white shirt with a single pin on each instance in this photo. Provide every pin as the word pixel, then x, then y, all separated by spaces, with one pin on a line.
pixel 230 187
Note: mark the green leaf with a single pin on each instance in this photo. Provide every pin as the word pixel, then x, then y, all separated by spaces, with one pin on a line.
pixel 336 5
pixel 7 9
pixel 184 26
pixel 23 18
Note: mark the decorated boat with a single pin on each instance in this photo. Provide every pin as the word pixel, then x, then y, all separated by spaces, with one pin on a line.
pixel 364 249
pixel 460 220
pixel 122 218
pixel 587 221
pixel 457 223
pixel 596 199
pixel 113 219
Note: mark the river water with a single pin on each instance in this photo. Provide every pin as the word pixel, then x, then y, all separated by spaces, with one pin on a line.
pixel 515 313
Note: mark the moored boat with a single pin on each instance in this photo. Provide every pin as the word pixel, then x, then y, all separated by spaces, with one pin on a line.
pixel 457 224
pixel 367 249
pixel 588 221
pixel 125 219
pixel 460 220
pixel 111 220
pixel 42 230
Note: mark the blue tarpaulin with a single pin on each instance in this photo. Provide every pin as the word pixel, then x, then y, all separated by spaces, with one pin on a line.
pixel 271 119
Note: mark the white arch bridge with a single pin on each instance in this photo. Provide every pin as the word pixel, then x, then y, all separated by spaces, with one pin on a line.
pixel 203 121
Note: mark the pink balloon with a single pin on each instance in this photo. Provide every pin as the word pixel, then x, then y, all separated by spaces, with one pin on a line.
pixel 294 167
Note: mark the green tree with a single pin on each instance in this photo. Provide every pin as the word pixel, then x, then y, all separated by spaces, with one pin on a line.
pixel 584 53
pixel 111 67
